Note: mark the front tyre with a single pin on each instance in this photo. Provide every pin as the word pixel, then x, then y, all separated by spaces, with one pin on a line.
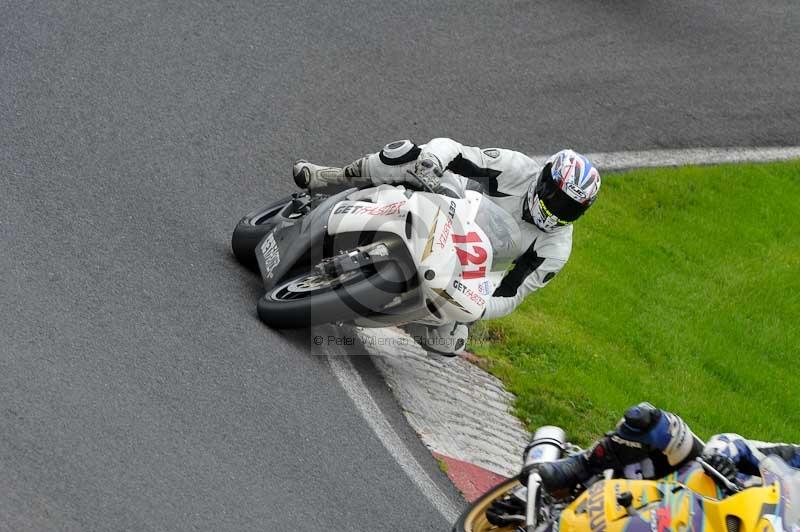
pixel 312 298
pixel 474 518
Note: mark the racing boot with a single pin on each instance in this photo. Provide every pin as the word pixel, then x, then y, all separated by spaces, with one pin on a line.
pixel 312 176
pixel 609 452
pixel 448 340
pixel 563 474
pixel 567 473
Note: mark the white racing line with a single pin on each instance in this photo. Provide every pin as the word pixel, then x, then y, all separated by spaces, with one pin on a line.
pixel 352 384
pixel 355 388
pixel 625 160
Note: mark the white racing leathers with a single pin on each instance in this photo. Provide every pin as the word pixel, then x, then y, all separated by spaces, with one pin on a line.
pixel 747 454
pixel 503 175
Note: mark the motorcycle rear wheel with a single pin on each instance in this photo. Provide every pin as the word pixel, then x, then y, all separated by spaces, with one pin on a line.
pixel 310 299
pixel 255 226
pixel 474 518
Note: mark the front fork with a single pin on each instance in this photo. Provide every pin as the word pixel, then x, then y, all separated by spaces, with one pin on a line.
pixel 355 259
pixel 531 508
pixel 546 445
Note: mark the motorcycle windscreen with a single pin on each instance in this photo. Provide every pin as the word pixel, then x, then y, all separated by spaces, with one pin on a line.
pixel 503 232
pixel 774 468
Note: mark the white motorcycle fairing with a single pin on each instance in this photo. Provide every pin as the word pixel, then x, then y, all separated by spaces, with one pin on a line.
pixel 460 247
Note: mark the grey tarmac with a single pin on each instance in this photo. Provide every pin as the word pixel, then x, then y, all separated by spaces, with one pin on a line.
pixel 138 391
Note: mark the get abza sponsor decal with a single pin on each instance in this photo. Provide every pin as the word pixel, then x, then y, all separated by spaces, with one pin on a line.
pixel 371 210
pixel 467 291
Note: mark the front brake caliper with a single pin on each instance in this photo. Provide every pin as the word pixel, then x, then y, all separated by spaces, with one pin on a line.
pixel 355 259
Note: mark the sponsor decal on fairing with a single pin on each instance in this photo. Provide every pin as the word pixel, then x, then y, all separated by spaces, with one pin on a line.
pixel 369 210
pixel 269 250
pixel 467 291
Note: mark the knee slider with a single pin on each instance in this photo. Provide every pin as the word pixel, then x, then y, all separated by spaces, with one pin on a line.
pixel 399 152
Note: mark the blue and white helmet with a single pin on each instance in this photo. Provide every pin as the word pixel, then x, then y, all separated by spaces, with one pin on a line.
pixel 567 186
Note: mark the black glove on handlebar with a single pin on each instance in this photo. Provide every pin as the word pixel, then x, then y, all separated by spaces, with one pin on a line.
pixel 723 464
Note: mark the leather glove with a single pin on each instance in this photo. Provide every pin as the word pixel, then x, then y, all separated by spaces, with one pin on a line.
pixel 428 169
pixel 723 464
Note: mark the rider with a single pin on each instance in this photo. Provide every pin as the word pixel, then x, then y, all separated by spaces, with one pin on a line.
pixel 647 443
pixel 544 199
pixel 651 443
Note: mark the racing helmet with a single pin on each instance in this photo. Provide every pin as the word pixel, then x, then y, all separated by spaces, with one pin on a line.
pixel 567 186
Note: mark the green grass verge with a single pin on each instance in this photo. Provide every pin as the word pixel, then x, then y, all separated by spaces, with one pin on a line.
pixel 683 289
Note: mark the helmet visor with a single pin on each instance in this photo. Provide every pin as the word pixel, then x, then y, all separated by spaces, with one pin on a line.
pixel 555 201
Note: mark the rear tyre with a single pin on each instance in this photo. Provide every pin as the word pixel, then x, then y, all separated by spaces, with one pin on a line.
pixel 311 299
pixel 255 226
pixel 474 518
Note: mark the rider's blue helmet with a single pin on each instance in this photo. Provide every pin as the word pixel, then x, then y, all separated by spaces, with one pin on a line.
pixel 567 185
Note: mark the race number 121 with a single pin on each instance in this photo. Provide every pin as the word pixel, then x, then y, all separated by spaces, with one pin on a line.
pixel 468 259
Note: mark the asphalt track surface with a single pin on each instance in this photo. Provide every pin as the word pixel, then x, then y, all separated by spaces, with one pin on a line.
pixel 138 391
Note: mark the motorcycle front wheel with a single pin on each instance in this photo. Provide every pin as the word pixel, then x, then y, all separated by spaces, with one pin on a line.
pixel 313 299
pixel 474 518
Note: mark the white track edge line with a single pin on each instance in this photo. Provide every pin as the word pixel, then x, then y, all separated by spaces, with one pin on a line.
pixel 626 160
pixel 351 382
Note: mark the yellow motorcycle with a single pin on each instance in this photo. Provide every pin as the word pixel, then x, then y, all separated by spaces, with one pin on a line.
pixel 695 498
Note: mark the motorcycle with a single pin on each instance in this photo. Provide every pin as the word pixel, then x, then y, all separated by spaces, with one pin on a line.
pixel 385 255
pixel 694 498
